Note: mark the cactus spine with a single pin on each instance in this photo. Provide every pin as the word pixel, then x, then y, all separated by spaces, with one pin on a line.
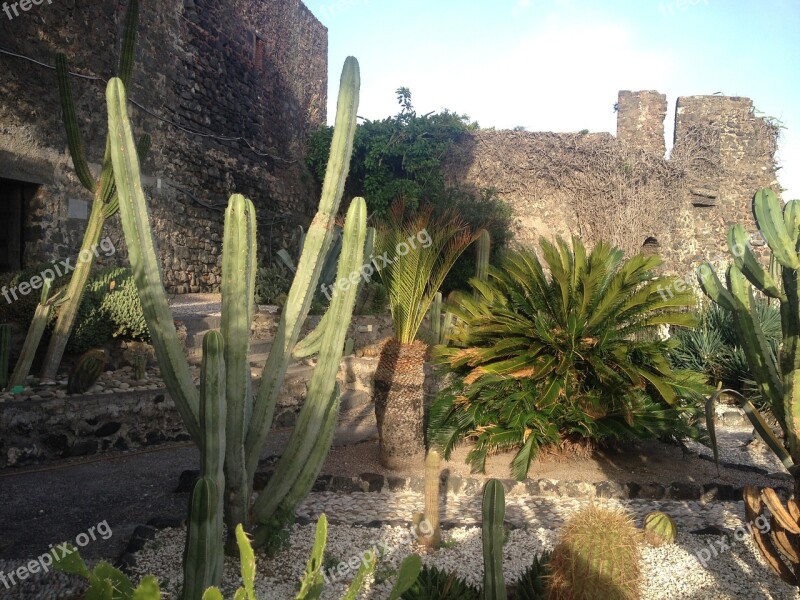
pixel 34 335
pixel 493 512
pixel 104 203
pixel 204 554
pixel 248 422
pixel 5 350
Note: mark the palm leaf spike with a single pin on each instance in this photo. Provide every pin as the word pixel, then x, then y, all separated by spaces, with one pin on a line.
pixel 203 557
pixel 493 509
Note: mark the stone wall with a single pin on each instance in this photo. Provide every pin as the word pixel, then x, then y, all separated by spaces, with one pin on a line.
pixel 623 189
pixel 235 86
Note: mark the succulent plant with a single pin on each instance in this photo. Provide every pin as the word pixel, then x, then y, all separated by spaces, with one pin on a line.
pixel 492 534
pixel 596 558
pixel 248 420
pixel 659 529
pixel 86 371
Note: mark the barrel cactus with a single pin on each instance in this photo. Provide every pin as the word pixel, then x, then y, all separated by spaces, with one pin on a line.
pixel 659 529
pixel 87 371
pixel 596 558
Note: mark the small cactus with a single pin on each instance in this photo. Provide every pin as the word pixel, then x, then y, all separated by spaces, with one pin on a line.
pixel 493 511
pixel 659 529
pixel 431 534
pixel 483 252
pixel 597 557
pixel 139 366
pixel 86 371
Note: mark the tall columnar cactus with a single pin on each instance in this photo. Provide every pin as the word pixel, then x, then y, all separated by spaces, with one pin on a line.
pixel 5 351
pixel 483 252
pixel 492 533
pixel 34 335
pixel 104 202
pixel 204 556
pixel 778 377
pixel 435 319
pixel 431 534
pixel 248 421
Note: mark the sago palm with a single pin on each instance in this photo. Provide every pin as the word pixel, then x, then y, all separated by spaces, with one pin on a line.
pixel 414 254
pixel 562 349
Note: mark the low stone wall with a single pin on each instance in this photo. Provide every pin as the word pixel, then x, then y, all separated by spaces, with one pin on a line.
pixel 53 428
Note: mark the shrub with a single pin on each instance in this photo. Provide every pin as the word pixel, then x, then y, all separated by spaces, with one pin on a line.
pixel 539 359
pixel 712 348
pixel 272 285
pixel 110 308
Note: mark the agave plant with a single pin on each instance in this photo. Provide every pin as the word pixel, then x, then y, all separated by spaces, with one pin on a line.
pixel 415 253
pixel 571 354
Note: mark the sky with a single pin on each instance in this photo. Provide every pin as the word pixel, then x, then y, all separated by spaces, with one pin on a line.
pixel 557 65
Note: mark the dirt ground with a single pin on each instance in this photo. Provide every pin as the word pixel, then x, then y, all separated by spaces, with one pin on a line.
pixel 645 462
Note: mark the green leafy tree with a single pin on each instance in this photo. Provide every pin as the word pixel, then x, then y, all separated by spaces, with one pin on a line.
pixel 564 347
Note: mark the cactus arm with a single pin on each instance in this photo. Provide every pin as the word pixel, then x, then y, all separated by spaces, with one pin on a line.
pixel 769 216
pixel 713 288
pixel 303 481
pixel 204 557
pixel 128 50
pixel 33 337
pixel 317 241
pixel 756 348
pixel 755 418
pixel 366 568
pixel 493 509
pixel 310 344
pixel 74 141
pixel 791 217
pixel 238 305
pixel 747 263
pixel 790 362
pixel 142 255
pixel 312 415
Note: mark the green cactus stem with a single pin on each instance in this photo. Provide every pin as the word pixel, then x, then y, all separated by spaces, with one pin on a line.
pixel 87 371
pixel 483 252
pixel 204 556
pixel 104 203
pixel 493 511
pixel 433 538
pixel 34 335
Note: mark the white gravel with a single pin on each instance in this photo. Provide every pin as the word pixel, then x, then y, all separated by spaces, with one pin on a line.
pixel 671 572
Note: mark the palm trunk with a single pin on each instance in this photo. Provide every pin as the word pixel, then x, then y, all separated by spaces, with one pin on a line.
pixel 398 395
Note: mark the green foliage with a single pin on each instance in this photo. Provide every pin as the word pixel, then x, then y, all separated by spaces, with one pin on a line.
pixel 398 158
pixel 532 584
pixel 569 354
pixel 712 348
pixel 413 277
pixel 22 309
pixel 596 558
pixel 110 308
pixel 435 584
pixel 272 285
